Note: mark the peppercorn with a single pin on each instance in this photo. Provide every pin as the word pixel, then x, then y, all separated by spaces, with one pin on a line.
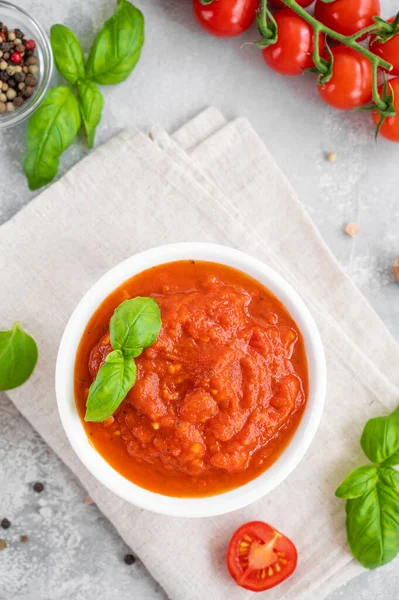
pixel 11 94
pixel 18 33
pixel 18 101
pixel 5 524
pixel 10 107
pixel 16 57
pixel 31 60
pixel 24 539
pixel 21 85
pixel 11 82
pixel 30 80
pixel 20 48
pixel 3 544
pixel 4 86
pixel 33 69
pixel 6 55
pixel 11 36
pixel 30 45
pixel 21 77
pixel 4 76
pixel 38 487
pixel 129 559
pixel 27 92
pixel 3 65
pixel 3 97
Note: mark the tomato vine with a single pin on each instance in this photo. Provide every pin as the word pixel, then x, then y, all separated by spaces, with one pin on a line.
pixel 384 103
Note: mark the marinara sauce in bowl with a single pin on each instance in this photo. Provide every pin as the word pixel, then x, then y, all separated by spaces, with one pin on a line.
pixel 226 401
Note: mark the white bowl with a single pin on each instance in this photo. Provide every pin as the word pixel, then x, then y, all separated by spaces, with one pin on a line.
pixel 211 505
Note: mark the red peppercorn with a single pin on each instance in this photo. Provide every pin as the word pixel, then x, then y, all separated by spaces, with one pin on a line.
pixel 30 44
pixel 16 57
pixel 2 37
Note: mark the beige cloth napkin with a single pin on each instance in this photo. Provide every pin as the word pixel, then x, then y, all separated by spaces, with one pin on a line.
pixel 211 181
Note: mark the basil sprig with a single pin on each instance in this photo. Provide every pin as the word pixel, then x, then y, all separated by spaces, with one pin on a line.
pixel 18 357
pixel 372 493
pixel 113 56
pixel 135 325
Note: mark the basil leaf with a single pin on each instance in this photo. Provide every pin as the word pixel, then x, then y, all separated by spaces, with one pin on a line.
pixel 51 129
pixel 389 477
pixel 68 56
pixel 135 325
pixel 380 438
pixel 392 460
pixel 358 482
pixel 372 523
pixel 18 357
pixel 117 47
pixel 91 104
pixel 114 380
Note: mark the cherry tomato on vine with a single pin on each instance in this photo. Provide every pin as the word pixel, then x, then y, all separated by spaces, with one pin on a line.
pixel 390 127
pixel 226 18
pixel 347 16
pixel 388 50
pixel 351 83
pixel 280 4
pixel 292 53
pixel 259 557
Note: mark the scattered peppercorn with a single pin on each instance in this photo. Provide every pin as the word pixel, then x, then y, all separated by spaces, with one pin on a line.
pixel 396 269
pixel 129 559
pixel 24 539
pixel 3 544
pixel 17 63
pixel 5 523
pixel 38 487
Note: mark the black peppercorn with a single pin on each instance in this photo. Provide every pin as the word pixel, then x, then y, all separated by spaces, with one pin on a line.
pixel 5 523
pixel 38 487
pixel 129 559
pixel 4 76
pixel 20 77
pixel 12 83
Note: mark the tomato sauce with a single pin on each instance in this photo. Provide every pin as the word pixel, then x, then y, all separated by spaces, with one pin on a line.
pixel 217 397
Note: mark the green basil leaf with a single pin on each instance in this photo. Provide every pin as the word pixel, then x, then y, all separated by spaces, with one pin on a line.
pixel 18 357
pixel 358 482
pixel 68 56
pixel 114 380
pixel 51 129
pixel 392 461
pixel 117 47
pixel 135 325
pixel 372 523
pixel 91 104
pixel 389 477
pixel 380 438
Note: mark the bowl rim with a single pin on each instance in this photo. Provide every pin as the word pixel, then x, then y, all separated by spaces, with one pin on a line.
pixel 27 109
pixel 291 455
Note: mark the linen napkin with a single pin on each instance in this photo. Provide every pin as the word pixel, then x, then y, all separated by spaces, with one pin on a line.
pixel 211 181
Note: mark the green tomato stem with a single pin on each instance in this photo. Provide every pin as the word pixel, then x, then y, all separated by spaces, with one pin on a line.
pixel 262 21
pixel 349 41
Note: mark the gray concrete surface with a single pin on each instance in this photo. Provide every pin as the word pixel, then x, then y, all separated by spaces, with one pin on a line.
pixel 73 553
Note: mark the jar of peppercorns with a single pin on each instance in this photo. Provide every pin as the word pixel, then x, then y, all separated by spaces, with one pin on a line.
pixel 26 64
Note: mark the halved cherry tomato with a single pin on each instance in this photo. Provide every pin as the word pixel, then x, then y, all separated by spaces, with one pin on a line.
pixel 259 557
pixel 292 53
pixel 347 16
pixel 388 50
pixel 351 83
pixel 390 127
pixel 226 18
pixel 280 4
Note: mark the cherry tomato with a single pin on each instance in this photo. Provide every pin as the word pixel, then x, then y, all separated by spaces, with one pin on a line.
pixel 390 127
pixel 259 557
pixel 280 4
pixel 347 16
pixel 388 50
pixel 292 53
pixel 351 83
pixel 226 18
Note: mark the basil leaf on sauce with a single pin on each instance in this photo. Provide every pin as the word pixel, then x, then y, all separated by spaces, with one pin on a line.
pixel 358 482
pixel 68 55
pixel 51 129
pixel 117 47
pixel 18 357
pixel 91 104
pixel 372 522
pixel 135 325
pixel 380 438
pixel 114 380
